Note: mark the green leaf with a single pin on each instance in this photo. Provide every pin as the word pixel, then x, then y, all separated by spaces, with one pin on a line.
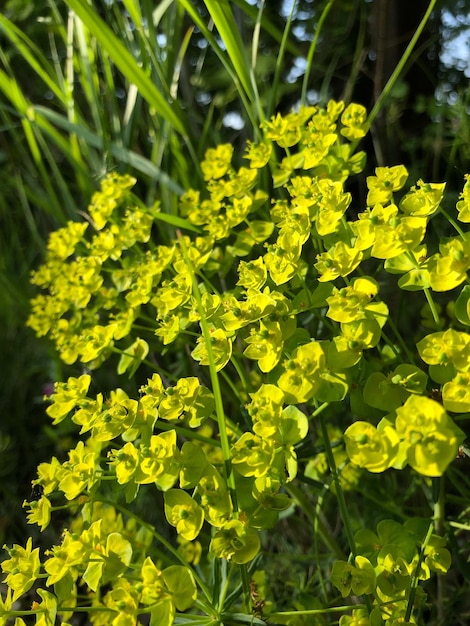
pixel 133 357
pixel 333 386
pixel 291 464
pixel 193 462
pixel 364 577
pixel 391 532
pixel 410 377
pixel 382 393
pixel 293 426
pixel 93 574
pixel 341 577
pixel 370 447
pixel 66 593
pixel 176 221
pixel 415 280
pixel 184 513
pixel 241 618
pixel 280 177
pixel 260 230
pixel 456 393
pixel 442 373
pixel 47 609
pixel 163 614
pixel 235 542
pixel 120 153
pixel 318 298
pixel 32 55
pixel 462 306
pixel 180 583
pixel 232 57
pixel 221 347
pixel 228 30
pixel 439 560
pixel 118 556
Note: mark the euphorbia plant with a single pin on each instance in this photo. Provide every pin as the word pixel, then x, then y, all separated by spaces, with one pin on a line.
pixel 259 361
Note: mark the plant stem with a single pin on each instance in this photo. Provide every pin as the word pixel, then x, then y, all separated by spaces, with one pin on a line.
pixel 339 490
pixel 219 407
pixel 452 222
pixel 400 340
pixel 439 516
pixel 432 306
pixel 340 494
pixel 415 580
pixel 336 609
pixel 297 494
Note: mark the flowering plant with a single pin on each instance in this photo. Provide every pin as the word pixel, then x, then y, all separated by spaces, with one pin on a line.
pixel 262 362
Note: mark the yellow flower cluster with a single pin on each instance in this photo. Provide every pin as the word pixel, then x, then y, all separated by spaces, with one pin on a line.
pixel 278 284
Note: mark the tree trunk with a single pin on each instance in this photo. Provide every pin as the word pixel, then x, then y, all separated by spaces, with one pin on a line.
pixel 392 25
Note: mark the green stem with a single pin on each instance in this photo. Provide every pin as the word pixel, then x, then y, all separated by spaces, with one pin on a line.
pixel 241 375
pixel 400 340
pixel 254 55
pixel 300 498
pixel 246 588
pixel 335 609
pixel 415 579
pixel 439 517
pixel 433 308
pixel 343 509
pixel 427 293
pixel 460 526
pixel 75 609
pixel 339 490
pixel 452 222
pixel 219 407
pixel 316 547
pixel 224 591
pixel 85 609
pixel 135 358
pixel 320 409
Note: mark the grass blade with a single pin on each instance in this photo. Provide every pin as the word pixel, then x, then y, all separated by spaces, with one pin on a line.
pixel 126 63
pixel 124 155
pixel 229 33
